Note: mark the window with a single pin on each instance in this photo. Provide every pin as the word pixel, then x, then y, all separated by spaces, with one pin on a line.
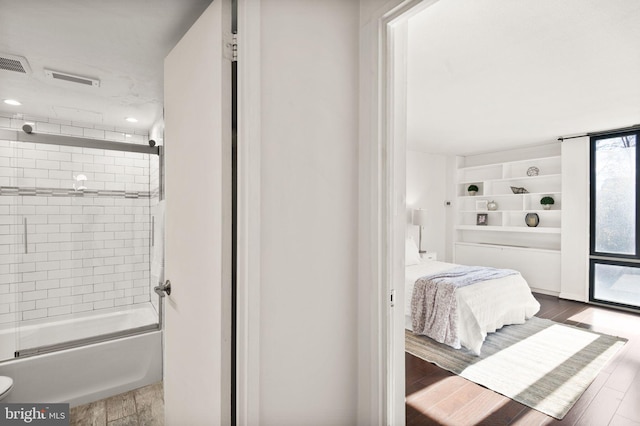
pixel 615 260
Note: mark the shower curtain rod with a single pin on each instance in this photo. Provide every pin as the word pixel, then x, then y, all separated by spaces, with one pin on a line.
pixel 20 136
pixel 602 132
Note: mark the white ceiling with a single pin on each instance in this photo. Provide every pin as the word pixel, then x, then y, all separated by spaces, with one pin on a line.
pixel 483 75
pixel 486 75
pixel 120 42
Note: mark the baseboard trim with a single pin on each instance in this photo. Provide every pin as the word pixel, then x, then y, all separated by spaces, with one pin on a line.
pixel 546 292
pixel 573 296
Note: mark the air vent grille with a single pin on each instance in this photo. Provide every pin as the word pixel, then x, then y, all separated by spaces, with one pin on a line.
pixel 57 75
pixel 14 63
pixel 71 78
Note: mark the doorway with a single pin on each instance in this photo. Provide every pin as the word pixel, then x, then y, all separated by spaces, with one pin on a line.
pixel 391 202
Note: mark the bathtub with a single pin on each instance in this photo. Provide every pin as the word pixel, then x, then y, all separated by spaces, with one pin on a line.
pixel 87 373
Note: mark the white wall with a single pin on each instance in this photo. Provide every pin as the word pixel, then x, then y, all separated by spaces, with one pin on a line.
pixel 309 205
pixel 536 151
pixel 427 189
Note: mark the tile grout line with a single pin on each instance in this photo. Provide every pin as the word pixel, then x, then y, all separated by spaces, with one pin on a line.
pixel 135 404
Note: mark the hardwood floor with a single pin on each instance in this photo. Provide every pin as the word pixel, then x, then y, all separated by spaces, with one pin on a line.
pixel 438 397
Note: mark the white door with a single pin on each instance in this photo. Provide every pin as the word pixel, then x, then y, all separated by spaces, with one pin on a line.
pixel 198 223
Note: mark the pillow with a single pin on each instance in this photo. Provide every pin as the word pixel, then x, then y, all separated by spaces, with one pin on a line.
pixel 411 255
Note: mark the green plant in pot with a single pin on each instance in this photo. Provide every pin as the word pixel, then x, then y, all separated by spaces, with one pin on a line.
pixel 472 189
pixel 547 202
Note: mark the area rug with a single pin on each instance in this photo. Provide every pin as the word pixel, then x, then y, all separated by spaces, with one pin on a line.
pixel 542 364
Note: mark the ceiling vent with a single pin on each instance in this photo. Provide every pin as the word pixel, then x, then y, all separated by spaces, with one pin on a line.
pixel 14 63
pixel 57 75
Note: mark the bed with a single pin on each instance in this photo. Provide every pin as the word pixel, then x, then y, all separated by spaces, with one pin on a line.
pixel 481 308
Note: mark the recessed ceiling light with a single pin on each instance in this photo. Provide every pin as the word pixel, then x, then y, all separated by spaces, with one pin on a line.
pixel 131 120
pixel 127 135
pixel 12 102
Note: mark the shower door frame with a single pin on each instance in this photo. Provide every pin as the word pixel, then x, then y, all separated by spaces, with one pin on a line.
pixel 15 135
pixel 41 138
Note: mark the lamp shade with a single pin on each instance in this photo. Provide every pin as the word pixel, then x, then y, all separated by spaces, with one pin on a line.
pixel 419 217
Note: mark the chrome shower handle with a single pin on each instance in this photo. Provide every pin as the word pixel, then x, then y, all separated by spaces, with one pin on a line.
pixel 163 288
pixel 26 245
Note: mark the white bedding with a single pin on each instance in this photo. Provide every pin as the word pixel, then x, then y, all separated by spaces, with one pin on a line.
pixel 483 307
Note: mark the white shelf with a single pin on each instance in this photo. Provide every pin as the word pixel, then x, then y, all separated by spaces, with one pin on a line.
pixel 508 246
pixel 481 197
pixel 485 228
pixel 526 178
pixel 513 169
pixel 506 225
pixel 512 211
pixel 528 161
pixel 510 179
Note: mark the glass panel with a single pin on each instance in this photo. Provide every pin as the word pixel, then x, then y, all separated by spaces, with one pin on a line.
pixel 88 272
pixel 615 195
pixel 618 284
pixel 11 249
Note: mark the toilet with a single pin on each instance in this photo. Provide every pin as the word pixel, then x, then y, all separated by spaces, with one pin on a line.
pixel 6 383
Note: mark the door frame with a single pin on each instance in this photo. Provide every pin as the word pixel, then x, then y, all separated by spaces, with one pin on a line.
pixel 248 216
pixel 382 215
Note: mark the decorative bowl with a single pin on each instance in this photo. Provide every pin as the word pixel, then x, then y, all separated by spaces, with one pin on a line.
pixel 533 171
pixel 519 190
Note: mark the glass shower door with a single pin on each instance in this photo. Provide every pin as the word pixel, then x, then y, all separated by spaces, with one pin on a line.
pixel 88 220
pixel 12 247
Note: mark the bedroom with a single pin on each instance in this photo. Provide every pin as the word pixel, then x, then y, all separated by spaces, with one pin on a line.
pixel 466 124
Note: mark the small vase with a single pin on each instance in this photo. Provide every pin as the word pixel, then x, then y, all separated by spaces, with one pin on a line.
pixel 546 206
pixel 492 205
pixel 532 219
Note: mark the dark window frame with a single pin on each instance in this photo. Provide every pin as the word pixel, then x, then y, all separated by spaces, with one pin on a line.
pixel 606 258
pixel 592 272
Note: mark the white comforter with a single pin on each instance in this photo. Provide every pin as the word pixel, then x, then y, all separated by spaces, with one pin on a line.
pixel 483 307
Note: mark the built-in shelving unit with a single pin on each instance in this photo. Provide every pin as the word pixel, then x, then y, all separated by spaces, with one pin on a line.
pixel 506 238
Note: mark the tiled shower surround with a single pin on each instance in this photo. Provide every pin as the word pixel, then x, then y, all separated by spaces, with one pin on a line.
pixel 85 250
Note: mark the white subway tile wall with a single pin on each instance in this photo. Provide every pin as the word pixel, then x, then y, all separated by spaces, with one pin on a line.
pixel 85 250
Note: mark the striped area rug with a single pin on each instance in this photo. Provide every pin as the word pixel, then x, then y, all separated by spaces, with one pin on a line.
pixel 542 364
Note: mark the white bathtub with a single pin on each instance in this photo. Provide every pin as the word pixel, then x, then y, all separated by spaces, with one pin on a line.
pixel 89 372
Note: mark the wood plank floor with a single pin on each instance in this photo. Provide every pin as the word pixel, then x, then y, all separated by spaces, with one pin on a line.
pixel 438 397
pixel 139 407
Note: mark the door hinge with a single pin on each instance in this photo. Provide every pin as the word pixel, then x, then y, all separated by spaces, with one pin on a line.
pixel 231 47
pixel 234 48
pixel 391 297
